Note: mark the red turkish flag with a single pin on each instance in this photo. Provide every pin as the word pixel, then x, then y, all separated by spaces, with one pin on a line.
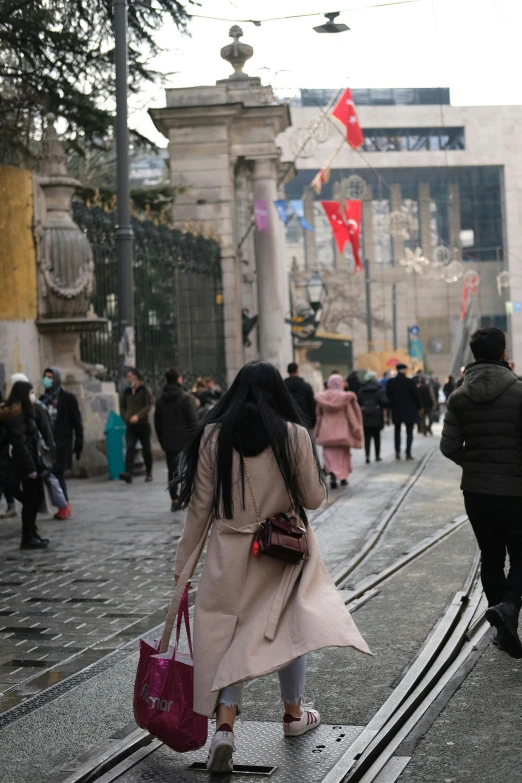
pixel 345 112
pixel 353 212
pixel 339 227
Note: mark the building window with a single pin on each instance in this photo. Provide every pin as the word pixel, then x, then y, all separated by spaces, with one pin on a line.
pixel 412 139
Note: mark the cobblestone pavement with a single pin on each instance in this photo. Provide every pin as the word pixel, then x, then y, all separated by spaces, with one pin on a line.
pixel 107 575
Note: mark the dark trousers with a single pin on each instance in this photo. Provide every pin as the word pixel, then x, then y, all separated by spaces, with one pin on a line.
pixel 409 438
pixel 372 433
pixel 497 524
pixel 33 494
pixel 138 432
pixel 4 490
pixel 173 469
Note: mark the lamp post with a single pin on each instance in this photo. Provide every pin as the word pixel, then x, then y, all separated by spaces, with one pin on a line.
pixel 124 236
pixel 315 289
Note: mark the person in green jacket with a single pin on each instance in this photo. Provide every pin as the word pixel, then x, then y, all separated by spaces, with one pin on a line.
pixel 135 406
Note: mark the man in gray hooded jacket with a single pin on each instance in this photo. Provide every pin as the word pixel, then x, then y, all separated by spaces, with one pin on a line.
pixel 483 434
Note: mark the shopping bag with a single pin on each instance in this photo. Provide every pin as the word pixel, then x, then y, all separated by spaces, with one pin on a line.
pixel 56 495
pixel 164 692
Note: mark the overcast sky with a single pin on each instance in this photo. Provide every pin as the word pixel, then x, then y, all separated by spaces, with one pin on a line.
pixel 471 46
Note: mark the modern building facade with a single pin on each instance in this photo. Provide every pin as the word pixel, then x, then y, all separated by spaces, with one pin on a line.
pixel 456 172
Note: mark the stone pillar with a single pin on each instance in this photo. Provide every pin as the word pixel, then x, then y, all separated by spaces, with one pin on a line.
pixel 454 220
pixel 425 218
pixel 395 206
pixel 270 262
pixel 65 287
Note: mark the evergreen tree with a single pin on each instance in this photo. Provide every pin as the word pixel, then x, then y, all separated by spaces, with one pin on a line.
pixel 58 56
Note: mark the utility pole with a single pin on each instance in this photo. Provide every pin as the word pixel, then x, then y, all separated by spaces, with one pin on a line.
pixel 394 316
pixel 369 332
pixel 124 236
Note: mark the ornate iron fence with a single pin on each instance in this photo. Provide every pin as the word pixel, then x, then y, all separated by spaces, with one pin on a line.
pixel 177 299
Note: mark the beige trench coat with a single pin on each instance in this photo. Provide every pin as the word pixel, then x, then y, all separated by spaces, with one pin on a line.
pixel 253 616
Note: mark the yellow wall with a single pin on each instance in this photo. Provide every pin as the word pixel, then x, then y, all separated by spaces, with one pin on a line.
pixel 18 284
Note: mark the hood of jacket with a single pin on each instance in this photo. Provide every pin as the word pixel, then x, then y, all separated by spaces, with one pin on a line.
pixel 57 379
pixel 370 387
pixel 484 381
pixel 333 399
pixel 9 411
pixel 250 436
pixel 172 391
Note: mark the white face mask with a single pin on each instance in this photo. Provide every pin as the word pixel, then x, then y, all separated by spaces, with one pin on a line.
pixel 32 397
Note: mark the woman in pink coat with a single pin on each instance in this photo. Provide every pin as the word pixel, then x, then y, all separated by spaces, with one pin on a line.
pixel 339 428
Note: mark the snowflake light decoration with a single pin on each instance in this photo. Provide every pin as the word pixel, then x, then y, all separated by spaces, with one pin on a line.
pixel 352 188
pixel 414 261
pixel 321 130
pixel 502 281
pixel 453 272
pixel 442 255
pixel 303 145
pixel 400 225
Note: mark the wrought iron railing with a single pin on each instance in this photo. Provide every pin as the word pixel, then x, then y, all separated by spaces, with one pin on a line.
pixel 177 298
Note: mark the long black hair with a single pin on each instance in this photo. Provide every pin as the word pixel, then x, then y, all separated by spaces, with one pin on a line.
pixel 259 388
pixel 20 393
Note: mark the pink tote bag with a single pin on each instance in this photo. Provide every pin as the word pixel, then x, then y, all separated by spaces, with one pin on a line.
pixel 164 692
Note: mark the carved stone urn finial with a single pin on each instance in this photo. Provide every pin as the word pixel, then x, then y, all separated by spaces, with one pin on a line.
pixel 66 275
pixel 237 53
pixel 54 162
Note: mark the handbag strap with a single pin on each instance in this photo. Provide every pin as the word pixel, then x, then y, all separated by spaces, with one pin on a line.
pixel 183 614
pixel 251 491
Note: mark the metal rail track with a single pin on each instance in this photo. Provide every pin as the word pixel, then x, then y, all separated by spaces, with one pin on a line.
pixel 430 667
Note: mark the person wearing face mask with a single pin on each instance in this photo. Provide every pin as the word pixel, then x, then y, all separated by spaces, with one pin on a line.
pixel 135 406
pixel 66 422
pixel 19 428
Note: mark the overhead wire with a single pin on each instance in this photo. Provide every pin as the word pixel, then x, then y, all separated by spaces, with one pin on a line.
pixel 258 22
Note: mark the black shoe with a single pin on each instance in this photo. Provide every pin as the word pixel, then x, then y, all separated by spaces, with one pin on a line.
pixel 126 477
pixel 497 641
pixel 45 540
pixel 333 482
pixel 397 456
pixel 504 617
pixel 344 483
pixel 367 460
pixel 33 543
pixel 409 458
pixel 378 459
pixel 174 505
pixel 148 478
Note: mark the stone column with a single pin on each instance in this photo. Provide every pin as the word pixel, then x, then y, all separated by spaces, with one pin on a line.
pixel 270 262
pixel 395 206
pixel 425 218
pixel 454 219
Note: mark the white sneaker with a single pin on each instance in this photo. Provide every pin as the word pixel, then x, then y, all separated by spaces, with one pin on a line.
pixel 219 757
pixel 294 727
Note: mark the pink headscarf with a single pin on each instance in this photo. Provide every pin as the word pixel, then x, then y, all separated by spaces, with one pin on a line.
pixel 334 396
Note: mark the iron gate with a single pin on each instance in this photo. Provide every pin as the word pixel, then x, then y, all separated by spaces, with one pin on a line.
pixel 177 299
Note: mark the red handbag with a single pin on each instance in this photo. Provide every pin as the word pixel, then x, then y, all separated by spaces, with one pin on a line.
pixel 279 537
pixel 164 692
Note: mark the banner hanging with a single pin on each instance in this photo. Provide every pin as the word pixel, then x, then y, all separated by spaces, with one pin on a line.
pixel 345 113
pixel 353 212
pixel 340 229
pixel 282 210
pixel 261 215
pixel 297 207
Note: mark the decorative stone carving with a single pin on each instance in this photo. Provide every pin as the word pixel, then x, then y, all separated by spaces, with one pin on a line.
pixel 66 262
pixel 237 53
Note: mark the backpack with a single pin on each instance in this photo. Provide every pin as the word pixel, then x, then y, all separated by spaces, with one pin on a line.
pixel 370 408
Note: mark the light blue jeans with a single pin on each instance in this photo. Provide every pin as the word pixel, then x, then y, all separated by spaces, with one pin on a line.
pixel 291 681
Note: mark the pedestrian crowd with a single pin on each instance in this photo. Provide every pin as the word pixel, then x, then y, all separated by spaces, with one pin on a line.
pixel 245 466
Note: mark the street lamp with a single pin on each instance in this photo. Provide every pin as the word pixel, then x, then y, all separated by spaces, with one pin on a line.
pixel 332 26
pixel 315 289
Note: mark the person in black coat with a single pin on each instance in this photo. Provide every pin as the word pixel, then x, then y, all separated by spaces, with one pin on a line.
pixel 373 401
pixel 354 384
pixel 428 405
pixel 175 422
pixel 302 394
pixel 19 428
pixel 405 406
pixel 67 427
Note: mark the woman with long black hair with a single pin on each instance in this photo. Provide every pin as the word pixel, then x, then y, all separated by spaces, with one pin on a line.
pixel 251 460
pixel 18 418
